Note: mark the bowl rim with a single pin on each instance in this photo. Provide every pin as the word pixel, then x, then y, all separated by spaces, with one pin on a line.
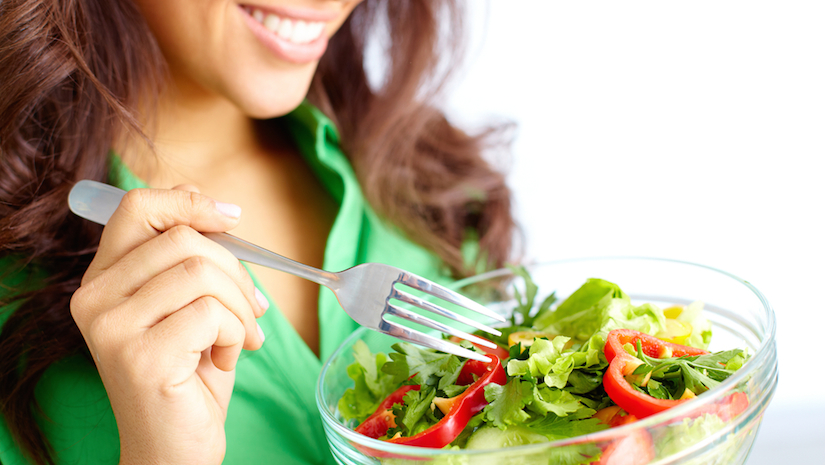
pixel 762 352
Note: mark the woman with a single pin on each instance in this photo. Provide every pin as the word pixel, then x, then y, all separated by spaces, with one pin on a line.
pixel 127 346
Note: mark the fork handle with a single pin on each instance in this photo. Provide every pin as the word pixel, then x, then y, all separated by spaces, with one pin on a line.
pixel 97 202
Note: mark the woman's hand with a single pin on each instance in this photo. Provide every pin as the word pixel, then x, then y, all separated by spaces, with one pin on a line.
pixel 165 313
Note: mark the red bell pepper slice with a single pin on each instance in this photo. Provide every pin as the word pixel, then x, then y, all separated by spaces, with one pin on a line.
pixel 728 408
pixel 377 424
pixel 638 403
pixel 634 448
pixel 462 407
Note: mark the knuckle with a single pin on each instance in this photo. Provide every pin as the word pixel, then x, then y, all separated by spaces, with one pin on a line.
pixel 81 300
pixel 198 268
pixel 196 202
pixel 77 304
pixel 101 330
pixel 205 307
pixel 181 236
pixel 134 200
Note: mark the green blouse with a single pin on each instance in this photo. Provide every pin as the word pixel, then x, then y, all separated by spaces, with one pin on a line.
pixel 272 416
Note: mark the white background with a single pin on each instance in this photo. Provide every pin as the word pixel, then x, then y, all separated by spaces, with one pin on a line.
pixel 687 130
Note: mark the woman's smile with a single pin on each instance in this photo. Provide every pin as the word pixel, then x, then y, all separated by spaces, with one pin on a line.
pixel 292 34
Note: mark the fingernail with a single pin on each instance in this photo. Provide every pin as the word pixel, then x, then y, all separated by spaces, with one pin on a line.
pixel 261 333
pixel 261 299
pixel 228 209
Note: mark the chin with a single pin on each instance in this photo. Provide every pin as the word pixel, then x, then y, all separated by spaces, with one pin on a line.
pixel 272 109
pixel 273 97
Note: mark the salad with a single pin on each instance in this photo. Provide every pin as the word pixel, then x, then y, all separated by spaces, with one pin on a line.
pixel 594 361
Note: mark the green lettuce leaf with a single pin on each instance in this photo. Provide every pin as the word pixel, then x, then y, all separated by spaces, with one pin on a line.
pixel 551 400
pixel 371 384
pixel 548 360
pixel 689 432
pixel 595 309
pixel 543 354
pixel 586 297
pixel 506 403
pixel 701 334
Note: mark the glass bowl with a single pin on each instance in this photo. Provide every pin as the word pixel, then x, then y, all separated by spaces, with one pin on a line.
pixel 741 318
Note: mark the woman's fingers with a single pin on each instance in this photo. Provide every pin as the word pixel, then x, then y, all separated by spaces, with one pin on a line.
pixel 146 213
pixel 172 247
pixel 204 323
pixel 179 287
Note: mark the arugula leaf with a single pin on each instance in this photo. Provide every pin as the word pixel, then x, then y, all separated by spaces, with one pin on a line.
pixel 657 390
pixel 583 381
pixel 454 390
pixel 503 340
pixel 412 414
pixel 410 364
pixel 506 403
pixel 669 377
pixel 525 302
pixel 545 306
pixel 523 312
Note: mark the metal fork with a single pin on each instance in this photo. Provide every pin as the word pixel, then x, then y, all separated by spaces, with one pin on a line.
pixel 364 291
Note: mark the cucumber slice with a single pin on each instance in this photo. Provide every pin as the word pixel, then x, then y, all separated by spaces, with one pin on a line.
pixel 491 437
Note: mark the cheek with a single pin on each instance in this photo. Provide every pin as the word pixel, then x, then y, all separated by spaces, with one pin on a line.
pixel 209 47
pixel 184 29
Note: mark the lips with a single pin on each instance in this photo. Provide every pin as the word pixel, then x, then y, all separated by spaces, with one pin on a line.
pixel 296 36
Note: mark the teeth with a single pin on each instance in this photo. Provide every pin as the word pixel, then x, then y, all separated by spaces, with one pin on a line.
pixel 286 29
pixel 296 31
pixel 315 30
pixel 271 22
pixel 301 33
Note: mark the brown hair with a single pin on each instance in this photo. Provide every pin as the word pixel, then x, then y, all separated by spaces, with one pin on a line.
pixel 71 72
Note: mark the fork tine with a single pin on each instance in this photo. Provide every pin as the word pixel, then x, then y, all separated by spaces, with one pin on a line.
pixel 417 337
pixel 423 304
pixel 432 324
pixel 442 292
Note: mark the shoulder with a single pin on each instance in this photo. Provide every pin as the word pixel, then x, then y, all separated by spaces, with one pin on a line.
pixel 17 276
pixel 75 416
pixel 74 411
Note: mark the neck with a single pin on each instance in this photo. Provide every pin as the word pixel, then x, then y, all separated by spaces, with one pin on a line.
pixel 196 136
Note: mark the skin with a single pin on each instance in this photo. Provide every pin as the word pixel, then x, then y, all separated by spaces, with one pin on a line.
pixel 165 312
